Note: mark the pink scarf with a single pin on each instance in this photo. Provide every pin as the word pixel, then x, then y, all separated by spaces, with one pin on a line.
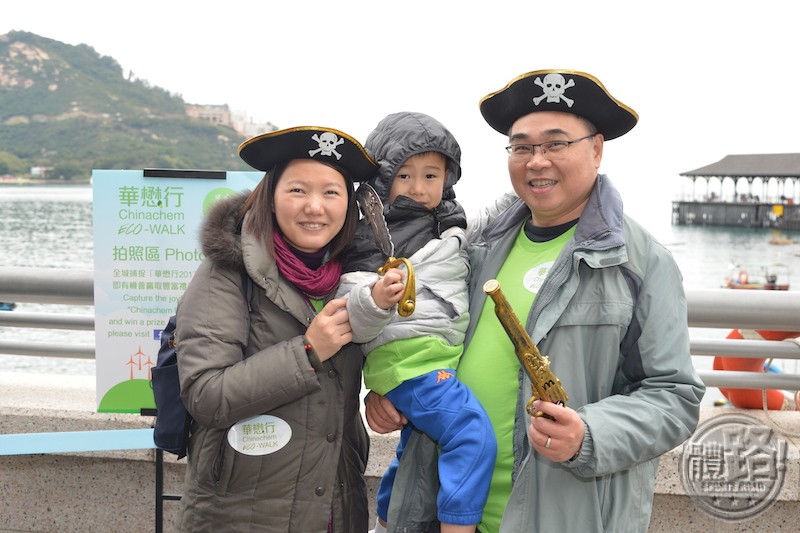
pixel 315 284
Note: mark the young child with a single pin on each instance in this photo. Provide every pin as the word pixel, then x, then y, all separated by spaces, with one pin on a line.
pixel 412 360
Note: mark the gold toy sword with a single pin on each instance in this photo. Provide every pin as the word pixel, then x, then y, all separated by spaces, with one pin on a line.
pixel 372 208
pixel 544 384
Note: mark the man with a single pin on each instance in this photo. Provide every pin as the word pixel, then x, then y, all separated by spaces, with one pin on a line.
pixel 597 294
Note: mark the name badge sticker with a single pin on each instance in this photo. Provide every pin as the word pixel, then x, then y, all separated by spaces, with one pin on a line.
pixel 260 435
pixel 534 278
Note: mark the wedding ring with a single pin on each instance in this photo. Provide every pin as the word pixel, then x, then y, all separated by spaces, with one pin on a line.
pixel 547 444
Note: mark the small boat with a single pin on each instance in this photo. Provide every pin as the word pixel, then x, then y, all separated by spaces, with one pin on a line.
pixel 772 277
pixel 7 306
pixel 779 238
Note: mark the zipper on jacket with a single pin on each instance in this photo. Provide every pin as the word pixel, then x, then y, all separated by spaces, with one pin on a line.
pixel 216 470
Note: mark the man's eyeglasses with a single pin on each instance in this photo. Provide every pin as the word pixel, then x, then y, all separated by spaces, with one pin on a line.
pixel 549 150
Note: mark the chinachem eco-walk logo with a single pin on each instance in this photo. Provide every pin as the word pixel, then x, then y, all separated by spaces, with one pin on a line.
pixel 733 467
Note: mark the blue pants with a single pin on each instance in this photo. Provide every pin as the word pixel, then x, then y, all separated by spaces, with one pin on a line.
pixel 442 407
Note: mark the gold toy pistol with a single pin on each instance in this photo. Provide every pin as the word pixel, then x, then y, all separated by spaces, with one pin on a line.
pixel 544 384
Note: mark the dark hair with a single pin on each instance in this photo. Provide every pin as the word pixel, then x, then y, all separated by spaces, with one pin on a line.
pixel 262 217
pixel 589 126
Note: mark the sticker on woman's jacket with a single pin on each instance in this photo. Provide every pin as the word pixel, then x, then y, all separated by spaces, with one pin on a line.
pixel 260 435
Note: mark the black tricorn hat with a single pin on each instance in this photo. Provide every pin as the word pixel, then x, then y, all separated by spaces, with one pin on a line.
pixel 568 91
pixel 322 144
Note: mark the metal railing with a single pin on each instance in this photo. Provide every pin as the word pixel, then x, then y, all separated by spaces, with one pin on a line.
pixel 709 309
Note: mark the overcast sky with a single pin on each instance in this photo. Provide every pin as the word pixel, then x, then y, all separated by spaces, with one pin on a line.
pixel 708 78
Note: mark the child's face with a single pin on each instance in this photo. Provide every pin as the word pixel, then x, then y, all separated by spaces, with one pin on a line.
pixel 421 178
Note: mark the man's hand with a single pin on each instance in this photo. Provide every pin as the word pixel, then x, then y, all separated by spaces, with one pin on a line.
pixel 388 290
pixel 330 329
pixel 559 439
pixel 381 415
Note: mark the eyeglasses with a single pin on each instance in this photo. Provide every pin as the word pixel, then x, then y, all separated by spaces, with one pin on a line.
pixel 550 150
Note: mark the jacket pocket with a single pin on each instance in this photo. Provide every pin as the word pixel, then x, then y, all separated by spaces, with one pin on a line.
pixel 597 313
pixel 585 348
pixel 223 465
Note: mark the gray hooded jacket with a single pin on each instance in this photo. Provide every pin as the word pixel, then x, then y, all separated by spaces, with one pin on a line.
pixel 433 240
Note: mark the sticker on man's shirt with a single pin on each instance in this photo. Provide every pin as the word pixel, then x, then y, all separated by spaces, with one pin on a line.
pixel 260 435
pixel 534 277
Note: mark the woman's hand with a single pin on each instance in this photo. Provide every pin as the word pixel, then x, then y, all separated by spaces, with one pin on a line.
pixel 381 415
pixel 330 329
pixel 388 290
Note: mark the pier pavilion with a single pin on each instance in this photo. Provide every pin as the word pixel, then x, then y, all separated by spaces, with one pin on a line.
pixel 752 190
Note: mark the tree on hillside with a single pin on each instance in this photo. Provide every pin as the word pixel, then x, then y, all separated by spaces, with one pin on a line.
pixel 11 164
pixel 68 170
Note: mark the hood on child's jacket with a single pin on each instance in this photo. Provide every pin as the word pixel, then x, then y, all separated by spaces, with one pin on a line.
pixel 402 135
pixel 411 225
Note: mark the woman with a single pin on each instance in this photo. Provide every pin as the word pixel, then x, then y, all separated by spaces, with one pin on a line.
pixel 277 443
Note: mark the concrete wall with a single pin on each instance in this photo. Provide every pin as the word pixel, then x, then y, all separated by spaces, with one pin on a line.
pixel 115 491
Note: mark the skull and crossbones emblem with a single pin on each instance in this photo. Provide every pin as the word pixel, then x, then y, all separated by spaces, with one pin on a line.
pixel 554 86
pixel 327 145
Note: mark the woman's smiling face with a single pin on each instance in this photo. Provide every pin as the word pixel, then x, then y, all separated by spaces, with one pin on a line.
pixel 311 201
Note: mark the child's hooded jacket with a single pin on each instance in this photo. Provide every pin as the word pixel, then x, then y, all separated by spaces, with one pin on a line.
pixel 396 138
pixel 434 241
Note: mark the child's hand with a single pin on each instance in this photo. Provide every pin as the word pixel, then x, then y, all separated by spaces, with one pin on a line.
pixel 388 290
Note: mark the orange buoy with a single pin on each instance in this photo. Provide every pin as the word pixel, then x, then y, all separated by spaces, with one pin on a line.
pixel 752 398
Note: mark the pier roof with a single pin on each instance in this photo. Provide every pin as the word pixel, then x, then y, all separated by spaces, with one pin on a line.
pixel 750 166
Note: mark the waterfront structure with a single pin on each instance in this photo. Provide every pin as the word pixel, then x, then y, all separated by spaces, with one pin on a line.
pixel 753 190
pixel 222 115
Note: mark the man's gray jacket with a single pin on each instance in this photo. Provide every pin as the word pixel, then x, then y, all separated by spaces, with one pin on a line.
pixel 612 316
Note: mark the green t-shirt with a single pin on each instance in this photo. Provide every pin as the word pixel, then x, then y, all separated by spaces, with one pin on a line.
pixel 490 367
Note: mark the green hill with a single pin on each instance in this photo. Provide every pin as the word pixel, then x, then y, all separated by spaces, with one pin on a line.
pixel 70 110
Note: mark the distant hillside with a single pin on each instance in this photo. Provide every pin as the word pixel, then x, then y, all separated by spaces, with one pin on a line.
pixel 70 110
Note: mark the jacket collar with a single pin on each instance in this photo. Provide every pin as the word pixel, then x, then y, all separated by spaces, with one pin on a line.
pixel 600 226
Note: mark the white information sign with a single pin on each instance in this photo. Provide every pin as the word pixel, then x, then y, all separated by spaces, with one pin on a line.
pixel 146 250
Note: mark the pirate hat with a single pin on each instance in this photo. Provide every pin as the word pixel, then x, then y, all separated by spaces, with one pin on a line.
pixel 326 145
pixel 568 91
